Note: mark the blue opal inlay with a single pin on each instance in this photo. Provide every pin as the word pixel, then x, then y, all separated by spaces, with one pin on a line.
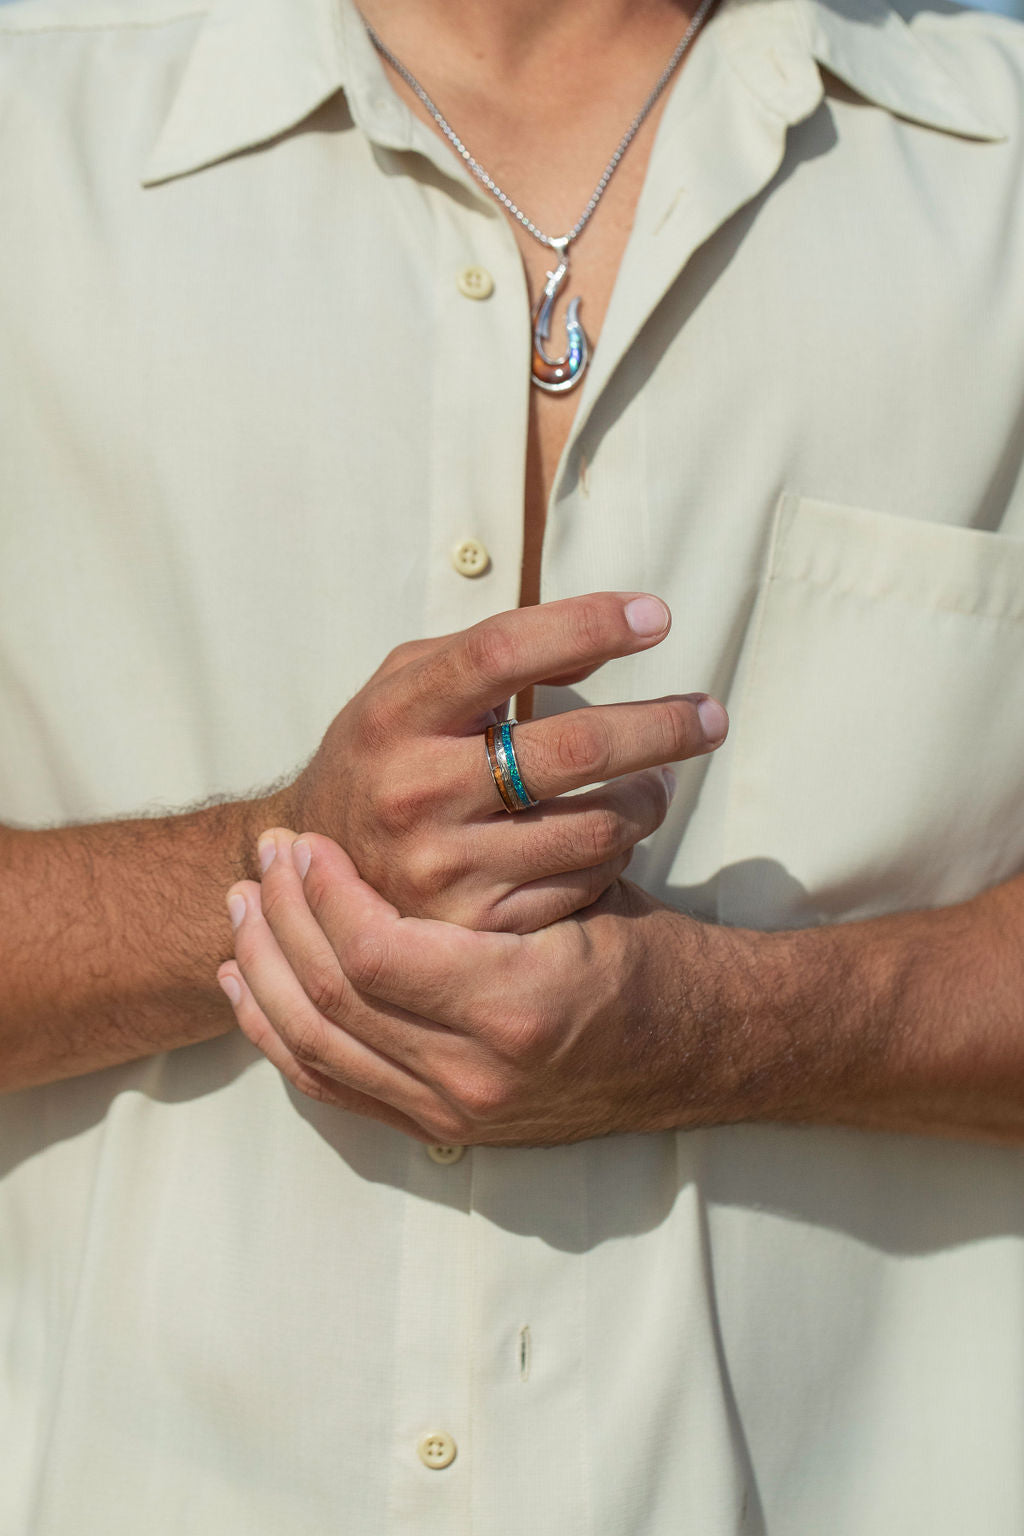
pixel 508 757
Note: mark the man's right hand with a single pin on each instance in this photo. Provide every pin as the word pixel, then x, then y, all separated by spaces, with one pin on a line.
pixel 401 778
pixel 111 933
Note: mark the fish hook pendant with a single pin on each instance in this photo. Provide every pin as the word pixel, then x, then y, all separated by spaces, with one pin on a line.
pixel 557 375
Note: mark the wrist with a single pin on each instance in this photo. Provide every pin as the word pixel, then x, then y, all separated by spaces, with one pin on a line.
pixel 713 1005
pixel 280 808
pixel 860 1014
pixel 774 1027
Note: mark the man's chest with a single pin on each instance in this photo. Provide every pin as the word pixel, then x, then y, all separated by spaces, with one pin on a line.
pixel 264 434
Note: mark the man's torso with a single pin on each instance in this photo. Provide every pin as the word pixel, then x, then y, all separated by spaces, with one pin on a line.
pixel 250 420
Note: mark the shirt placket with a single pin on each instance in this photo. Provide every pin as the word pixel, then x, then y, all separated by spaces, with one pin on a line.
pixel 479 412
pixel 491 1340
pixel 432 1453
pixel 479 399
pixel 448 1342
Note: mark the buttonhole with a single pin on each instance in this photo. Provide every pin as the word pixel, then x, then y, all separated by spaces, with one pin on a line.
pixel 524 1353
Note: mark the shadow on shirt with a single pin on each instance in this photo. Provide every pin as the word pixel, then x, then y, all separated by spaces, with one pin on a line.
pixel 900 1194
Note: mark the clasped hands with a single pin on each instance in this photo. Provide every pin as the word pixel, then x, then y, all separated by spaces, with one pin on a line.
pixel 468 976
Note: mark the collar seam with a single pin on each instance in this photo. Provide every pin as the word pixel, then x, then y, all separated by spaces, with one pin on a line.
pixel 103 26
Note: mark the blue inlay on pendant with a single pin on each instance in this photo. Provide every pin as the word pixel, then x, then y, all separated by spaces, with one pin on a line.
pixel 557 375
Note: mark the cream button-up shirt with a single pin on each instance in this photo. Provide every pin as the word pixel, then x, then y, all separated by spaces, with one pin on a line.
pixel 263 410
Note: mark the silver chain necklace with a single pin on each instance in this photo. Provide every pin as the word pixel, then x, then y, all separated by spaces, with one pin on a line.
pixel 555 375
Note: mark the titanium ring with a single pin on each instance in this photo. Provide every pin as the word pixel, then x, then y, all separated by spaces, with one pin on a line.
pixel 504 766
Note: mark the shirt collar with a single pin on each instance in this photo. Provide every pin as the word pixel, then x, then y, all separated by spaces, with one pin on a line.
pixel 870 47
pixel 256 69
pixel 259 67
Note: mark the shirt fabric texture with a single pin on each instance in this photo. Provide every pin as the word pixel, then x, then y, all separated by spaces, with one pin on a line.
pixel 246 414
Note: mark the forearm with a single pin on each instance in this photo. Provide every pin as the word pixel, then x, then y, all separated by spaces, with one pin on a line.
pixel 630 1016
pixel 911 1022
pixel 110 937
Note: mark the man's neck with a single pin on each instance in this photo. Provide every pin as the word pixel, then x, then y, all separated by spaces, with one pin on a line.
pixel 506 40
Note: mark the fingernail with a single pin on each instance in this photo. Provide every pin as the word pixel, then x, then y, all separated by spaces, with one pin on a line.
pixel 670 780
pixel 302 853
pixel 236 908
pixel 647 616
pixel 267 850
pixel 233 991
pixel 713 719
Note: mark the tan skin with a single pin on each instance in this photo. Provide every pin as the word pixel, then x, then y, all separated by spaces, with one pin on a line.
pixel 510 102
pixel 907 1023
pixel 111 933
pixel 143 901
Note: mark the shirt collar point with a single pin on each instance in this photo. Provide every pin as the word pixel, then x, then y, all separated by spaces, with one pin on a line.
pixel 180 150
pixel 256 69
pixel 878 53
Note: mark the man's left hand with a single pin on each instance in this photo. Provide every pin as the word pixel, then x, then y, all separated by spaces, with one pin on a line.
pixel 617 1019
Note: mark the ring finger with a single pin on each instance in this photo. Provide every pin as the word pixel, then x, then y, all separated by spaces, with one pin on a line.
pixel 585 746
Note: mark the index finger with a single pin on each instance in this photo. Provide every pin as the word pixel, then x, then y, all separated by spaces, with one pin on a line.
pixel 480 668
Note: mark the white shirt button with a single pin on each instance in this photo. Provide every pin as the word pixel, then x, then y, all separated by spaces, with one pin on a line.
pixel 470 558
pixel 475 283
pixel 445 1154
pixel 436 1450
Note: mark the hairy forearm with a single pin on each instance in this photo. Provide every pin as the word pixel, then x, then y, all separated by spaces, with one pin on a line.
pixel 110 937
pixel 911 1022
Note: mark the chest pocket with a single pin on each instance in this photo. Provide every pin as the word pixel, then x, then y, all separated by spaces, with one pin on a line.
pixel 878 722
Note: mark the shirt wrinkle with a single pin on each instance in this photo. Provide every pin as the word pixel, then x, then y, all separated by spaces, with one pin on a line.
pixel 247 424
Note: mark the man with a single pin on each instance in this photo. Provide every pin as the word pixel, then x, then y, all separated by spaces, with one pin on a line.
pixel 268 420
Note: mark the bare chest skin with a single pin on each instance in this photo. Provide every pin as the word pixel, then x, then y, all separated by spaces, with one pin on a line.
pixel 547 149
pixel 594 267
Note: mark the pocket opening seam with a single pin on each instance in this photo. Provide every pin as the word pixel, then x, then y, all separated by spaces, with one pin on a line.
pixel 936 605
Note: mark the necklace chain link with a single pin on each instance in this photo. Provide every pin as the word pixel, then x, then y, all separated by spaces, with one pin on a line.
pixel 558 243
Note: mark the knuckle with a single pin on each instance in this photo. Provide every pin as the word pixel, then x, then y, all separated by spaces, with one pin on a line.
pixel 602 835
pixel 492 653
pixel 326 988
pixel 314 1087
pixel 643 805
pixel 401 655
pixel 598 880
pixel 303 1035
pixel 588 628
pixel 364 960
pixel 493 917
pixel 554 850
pixel 658 799
pixel 520 1037
pixel 401 807
pixel 583 749
pixel 483 1098
pixel 432 871
pixel 377 720
pixel 531 1041
pixel 447 1126
pixel 675 719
